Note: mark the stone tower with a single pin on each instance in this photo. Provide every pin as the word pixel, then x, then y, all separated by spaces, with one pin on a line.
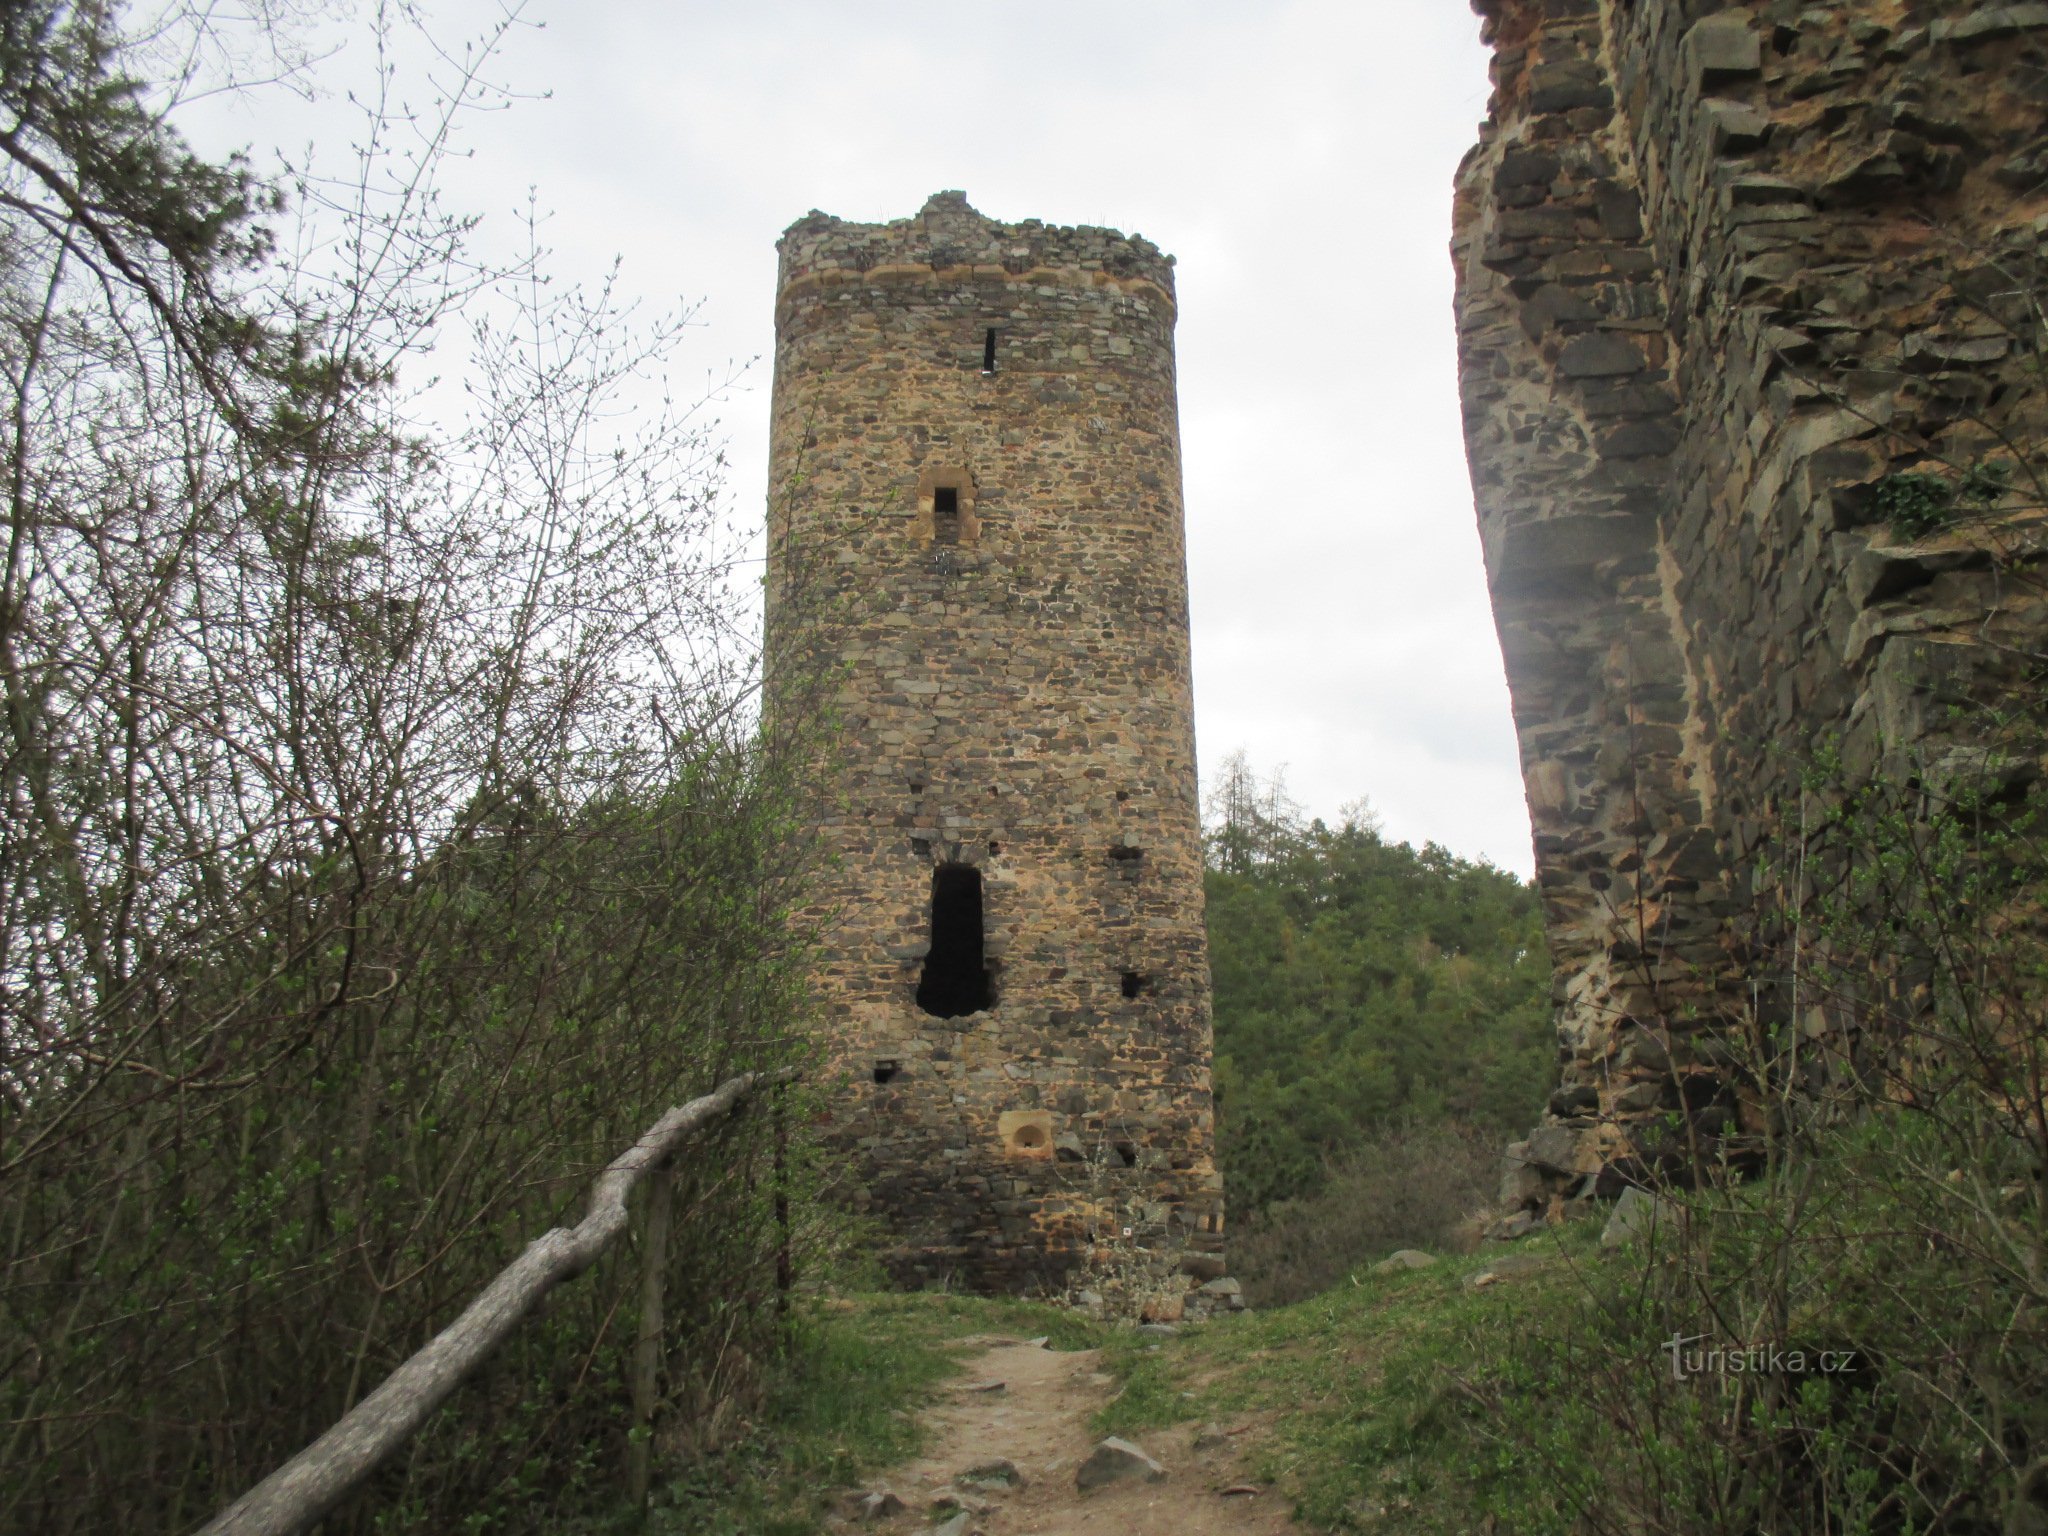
pixel 976 568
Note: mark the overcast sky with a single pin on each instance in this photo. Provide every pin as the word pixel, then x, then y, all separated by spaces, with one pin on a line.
pixel 1295 157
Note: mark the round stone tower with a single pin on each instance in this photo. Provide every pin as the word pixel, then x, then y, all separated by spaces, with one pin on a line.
pixel 976 572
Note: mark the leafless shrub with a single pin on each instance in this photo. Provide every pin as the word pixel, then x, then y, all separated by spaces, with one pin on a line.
pixel 383 829
pixel 1415 1184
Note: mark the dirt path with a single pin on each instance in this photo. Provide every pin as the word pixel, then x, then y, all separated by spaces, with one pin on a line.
pixel 1039 1422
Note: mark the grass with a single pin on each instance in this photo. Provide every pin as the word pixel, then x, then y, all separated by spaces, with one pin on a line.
pixel 859 1369
pixel 1357 1394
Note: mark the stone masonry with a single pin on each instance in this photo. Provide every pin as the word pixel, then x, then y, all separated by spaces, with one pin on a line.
pixel 976 563
pixel 1726 271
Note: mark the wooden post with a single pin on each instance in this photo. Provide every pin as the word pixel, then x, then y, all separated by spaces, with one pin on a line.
pixel 647 1347
pixel 298 1493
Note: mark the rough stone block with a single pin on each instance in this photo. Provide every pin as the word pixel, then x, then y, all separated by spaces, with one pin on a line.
pixel 1988 22
pixel 1733 127
pixel 1114 1460
pixel 1722 47
pixel 1599 354
pixel 1638 1214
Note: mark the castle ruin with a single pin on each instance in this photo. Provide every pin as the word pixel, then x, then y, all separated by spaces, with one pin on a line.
pixel 1726 273
pixel 976 559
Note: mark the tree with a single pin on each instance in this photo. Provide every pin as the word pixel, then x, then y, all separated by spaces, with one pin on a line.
pixel 1249 820
pixel 383 837
pixel 1357 983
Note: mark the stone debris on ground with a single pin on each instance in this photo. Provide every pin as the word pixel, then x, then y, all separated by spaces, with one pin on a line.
pixel 1024 1462
pixel 1405 1258
pixel 1507 1266
pixel 1113 1460
pixel 996 1472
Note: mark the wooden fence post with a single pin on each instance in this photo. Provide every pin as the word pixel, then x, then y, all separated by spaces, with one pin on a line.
pixel 647 1347
pixel 302 1490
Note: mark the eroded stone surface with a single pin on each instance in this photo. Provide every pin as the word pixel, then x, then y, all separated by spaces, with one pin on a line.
pixel 1719 276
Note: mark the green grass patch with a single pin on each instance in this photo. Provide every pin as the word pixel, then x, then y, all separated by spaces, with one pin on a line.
pixel 841 1404
pixel 1368 1401
pixel 1362 1396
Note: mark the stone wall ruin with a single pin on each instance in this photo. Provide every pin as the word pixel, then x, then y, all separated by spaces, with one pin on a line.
pixel 1726 270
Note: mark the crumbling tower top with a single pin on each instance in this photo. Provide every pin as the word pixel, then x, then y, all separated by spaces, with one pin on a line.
pixel 949 237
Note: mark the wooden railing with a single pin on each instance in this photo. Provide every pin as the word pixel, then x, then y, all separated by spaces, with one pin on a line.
pixel 327 1471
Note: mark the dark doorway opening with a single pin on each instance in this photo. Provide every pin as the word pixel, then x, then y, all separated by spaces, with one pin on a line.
pixel 946 514
pixel 955 980
pixel 988 352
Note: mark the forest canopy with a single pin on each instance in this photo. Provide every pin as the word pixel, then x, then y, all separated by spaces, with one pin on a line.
pixel 1360 982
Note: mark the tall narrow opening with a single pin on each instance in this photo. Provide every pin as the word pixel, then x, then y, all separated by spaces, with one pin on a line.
pixel 955 980
pixel 946 515
pixel 988 351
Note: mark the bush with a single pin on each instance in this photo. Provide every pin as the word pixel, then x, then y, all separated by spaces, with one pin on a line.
pixel 1855 1340
pixel 1412 1184
pixel 384 840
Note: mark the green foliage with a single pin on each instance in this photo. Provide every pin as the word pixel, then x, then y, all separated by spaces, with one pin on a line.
pixel 1364 1393
pixel 1412 1183
pixel 1359 981
pixel 1852 1344
pixel 1852 1341
pixel 1899 1228
pixel 1917 505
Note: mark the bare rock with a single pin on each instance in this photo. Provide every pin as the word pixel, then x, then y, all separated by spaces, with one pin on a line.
pixel 996 1472
pixel 1164 1309
pixel 880 1505
pixel 1112 1461
pixel 1405 1258
pixel 947 1504
pixel 1211 1437
pixel 1722 46
pixel 1638 1213
pixel 1505 1267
